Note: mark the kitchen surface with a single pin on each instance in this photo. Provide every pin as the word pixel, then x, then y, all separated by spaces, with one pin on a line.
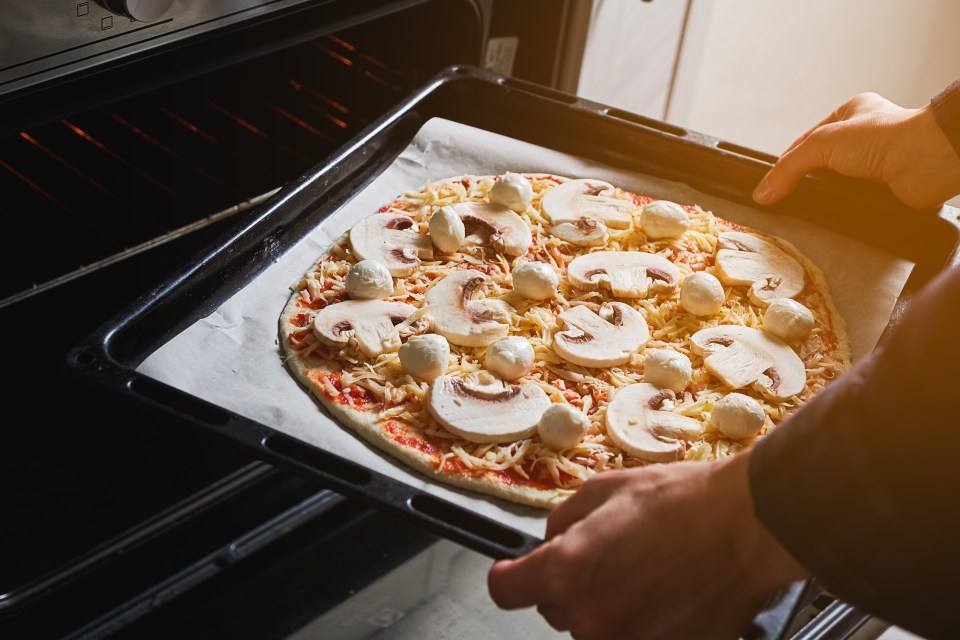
pixel 135 137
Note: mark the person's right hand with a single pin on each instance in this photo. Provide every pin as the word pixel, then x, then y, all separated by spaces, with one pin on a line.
pixel 872 138
pixel 668 551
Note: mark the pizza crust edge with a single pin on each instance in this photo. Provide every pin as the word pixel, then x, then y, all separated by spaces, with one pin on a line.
pixel 367 425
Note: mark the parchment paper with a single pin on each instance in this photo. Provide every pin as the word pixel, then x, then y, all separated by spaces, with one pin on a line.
pixel 232 357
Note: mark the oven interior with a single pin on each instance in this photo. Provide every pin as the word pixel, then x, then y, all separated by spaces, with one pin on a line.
pixel 122 177
pixel 102 500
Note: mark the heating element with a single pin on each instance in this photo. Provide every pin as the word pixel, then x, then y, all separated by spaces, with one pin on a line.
pixel 98 185
pixel 112 178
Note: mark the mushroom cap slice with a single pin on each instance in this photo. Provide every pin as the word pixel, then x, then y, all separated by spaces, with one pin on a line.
pixel 583 232
pixel 372 323
pixel 628 274
pixel 577 199
pixel 460 319
pixel 391 239
pixel 769 271
pixel 639 424
pixel 601 340
pixel 495 225
pixel 485 409
pixel 741 356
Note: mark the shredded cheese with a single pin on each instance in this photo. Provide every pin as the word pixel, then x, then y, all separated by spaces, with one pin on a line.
pixel 400 397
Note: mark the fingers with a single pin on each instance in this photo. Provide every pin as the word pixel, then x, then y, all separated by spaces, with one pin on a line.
pixel 840 113
pixel 811 153
pixel 826 142
pixel 526 581
pixel 555 616
pixel 591 495
pixel 519 583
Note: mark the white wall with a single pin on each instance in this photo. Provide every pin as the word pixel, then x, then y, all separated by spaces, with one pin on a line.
pixel 760 72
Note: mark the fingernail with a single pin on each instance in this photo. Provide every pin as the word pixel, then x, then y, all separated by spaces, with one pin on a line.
pixel 763 193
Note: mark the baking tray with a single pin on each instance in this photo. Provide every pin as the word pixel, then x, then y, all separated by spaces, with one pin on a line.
pixel 520 110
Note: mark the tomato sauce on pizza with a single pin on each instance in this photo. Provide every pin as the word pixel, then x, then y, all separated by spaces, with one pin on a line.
pixel 516 334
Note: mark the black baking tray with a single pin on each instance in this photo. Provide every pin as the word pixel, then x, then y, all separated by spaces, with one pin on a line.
pixel 524 111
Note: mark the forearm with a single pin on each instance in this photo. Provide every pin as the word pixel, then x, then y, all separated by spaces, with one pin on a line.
pixel 946 110
pixel 923 168
pixel 861 484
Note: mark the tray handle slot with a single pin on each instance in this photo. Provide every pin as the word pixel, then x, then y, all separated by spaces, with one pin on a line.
pixel 167 396
pixel 443 513
pixel 747 152
pixel 649 123
pixel 544 92
pixel 317 459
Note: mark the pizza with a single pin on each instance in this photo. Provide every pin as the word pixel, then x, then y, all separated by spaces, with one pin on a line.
pixel 514 335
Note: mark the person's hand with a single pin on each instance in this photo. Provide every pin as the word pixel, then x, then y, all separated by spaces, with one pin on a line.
pixel 664 551
pixel 872 138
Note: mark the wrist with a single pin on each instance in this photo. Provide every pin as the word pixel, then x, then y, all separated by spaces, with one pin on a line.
pixel 765 559
pixel 924 168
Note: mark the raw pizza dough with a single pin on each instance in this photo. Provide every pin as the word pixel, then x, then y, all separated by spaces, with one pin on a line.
pixel 371 394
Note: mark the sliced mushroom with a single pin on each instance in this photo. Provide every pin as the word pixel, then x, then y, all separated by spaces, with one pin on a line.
pixel 583 232
pixel 484 409
pixel 575 199
pixel 628 274
pixel 494 225
pixel 460 319
pixel 601 340
pixel 391 239
pixel 741 356
pixel 640 423
pixel 769 271
pixel 371 323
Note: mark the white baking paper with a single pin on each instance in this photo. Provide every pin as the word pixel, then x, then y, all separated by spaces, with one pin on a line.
pixel 232 358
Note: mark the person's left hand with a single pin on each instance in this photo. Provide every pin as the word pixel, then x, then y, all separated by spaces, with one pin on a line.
pixel 665 551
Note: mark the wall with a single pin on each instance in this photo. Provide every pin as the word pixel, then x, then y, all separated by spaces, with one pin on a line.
pixel 760 72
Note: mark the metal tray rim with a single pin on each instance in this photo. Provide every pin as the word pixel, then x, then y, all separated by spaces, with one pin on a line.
pixel 102 358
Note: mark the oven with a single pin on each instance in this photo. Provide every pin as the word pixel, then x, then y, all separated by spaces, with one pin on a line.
pixel 133 134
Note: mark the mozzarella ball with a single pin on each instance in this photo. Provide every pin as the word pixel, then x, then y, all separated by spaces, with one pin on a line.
pixel 562 426
pixel 513 191
pixel 738 416
pixel 663 219
pixel 787 319
pixel 701 294
pixel 425 356
pixel 668 369
pixel 446 230
pixel 535 280
pixel 369 280
pixel 510 357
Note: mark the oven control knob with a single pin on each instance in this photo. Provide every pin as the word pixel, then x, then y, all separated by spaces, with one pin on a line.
pixel 139 10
